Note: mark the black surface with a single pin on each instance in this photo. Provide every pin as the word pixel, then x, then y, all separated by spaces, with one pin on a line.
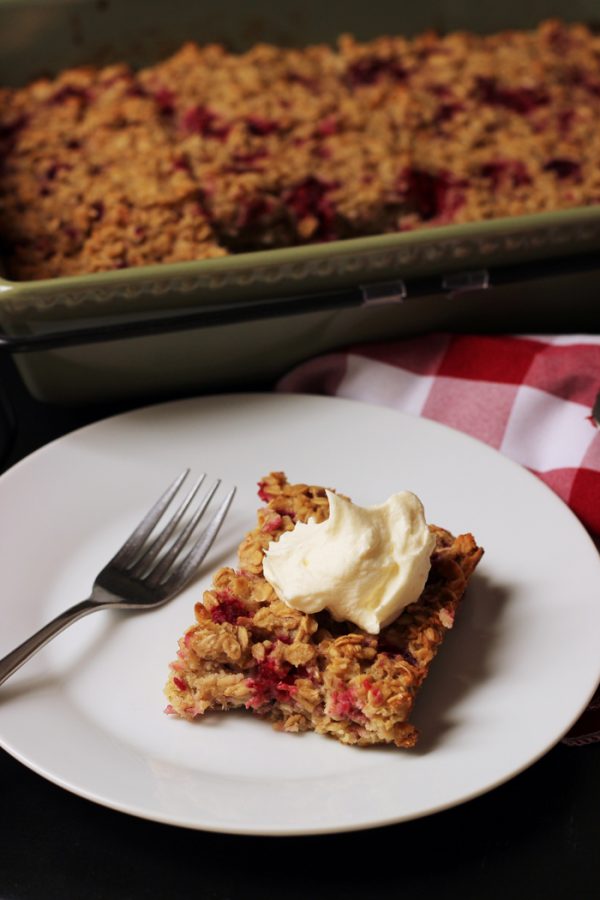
pixel 535 837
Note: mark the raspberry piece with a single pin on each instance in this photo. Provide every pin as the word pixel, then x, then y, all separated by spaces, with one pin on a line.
pixel 503 170
pixel 70 92
pixel 98 210
pixel 273 524
pixel 246 162
pixel 308 200
pixel 563 168
pixel 370 70
pixel 327 127
pixel 201 120
pixel 434 196
pixel 228 610
pixel 262 493
pixel 260 126
pixel 521 100
pixel 9 130
pixel 344 705
pixel 165 100
pixel 182 164
pixel 271 680
pixel 446 112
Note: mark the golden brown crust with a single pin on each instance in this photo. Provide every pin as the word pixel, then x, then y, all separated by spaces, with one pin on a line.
pixel 210 152
pixel 248 649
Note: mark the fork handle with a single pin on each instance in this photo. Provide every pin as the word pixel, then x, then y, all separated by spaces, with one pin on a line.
pixel 25 651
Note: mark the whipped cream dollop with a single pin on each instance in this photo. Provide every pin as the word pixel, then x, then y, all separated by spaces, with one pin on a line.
pixel 363 564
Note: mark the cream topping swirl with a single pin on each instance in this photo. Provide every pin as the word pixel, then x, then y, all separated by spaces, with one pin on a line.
pixel 363 564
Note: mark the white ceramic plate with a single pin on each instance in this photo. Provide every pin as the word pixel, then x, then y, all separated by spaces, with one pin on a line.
pixel 87 712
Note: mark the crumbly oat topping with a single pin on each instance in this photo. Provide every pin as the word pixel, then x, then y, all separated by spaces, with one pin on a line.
pixel 209 152
pixel 249 650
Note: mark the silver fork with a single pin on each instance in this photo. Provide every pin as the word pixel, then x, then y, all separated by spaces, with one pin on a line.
pixel 138 576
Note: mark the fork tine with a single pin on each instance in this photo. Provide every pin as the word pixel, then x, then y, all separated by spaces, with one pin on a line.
pixel 141 533
pixel 157 573
pixel 143 563
pixel 183 571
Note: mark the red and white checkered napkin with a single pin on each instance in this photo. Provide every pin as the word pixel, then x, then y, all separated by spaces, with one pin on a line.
pixel 531 397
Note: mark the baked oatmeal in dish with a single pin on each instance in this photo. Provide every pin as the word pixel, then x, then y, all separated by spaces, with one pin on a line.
pixel 250 650
pixel 211 153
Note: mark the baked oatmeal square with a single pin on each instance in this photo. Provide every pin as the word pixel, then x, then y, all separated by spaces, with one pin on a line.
pixel 250 650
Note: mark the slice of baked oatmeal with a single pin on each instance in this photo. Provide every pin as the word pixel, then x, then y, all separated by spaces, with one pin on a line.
pixel 303 672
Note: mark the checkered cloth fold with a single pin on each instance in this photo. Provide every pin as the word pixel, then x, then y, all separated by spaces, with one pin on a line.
pixel 531 397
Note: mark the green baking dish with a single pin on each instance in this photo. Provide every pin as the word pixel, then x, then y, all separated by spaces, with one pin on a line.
pixel 252 345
